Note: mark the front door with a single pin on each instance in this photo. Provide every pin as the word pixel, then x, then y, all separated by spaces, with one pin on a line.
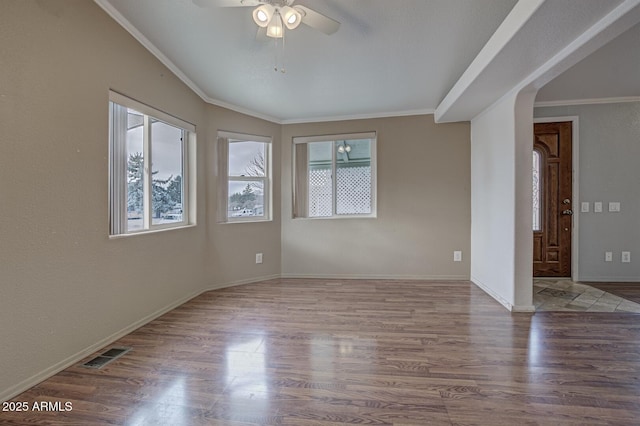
pixel 552 200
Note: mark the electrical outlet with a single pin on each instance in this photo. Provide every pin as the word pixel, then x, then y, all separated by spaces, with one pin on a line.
pixel 614 207
pixel 608 256
pixel 258 257
pixel 584 207
pixel 626 257
pixel 457 256
pixel 597 207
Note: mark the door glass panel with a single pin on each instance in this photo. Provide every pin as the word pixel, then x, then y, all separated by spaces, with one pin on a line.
pixel 536 192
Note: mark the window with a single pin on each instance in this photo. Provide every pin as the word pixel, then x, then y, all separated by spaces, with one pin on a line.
pixel 244 168
pixel 149 168
pixel 335 176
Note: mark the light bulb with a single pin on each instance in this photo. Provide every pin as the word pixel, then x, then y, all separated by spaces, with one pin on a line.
pixel 291 17
pixel 262 17
pixel 341 149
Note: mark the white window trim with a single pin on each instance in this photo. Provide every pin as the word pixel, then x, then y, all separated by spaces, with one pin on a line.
pixel 374 172
pixel 118 167
pixel 267 179
pixel 147 110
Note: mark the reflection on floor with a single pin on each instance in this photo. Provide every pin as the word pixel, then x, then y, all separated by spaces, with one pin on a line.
pixel 566 295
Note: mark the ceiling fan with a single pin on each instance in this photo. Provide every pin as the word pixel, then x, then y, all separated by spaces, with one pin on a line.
pixel 276 15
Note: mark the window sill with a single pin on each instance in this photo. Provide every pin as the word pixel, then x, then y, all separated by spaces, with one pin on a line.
pixel 234 221
pixel 151 231
pixel 350 216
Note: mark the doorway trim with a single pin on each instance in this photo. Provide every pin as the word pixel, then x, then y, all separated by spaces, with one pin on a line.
pixel 575 187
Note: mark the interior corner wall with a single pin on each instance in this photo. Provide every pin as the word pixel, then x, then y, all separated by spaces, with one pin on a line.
pixel 609 148
pixel 423 206
pixel 233 246
pixel 66 288
pixel 500 211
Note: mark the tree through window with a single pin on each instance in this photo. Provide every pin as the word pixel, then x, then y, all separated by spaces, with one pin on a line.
pixel 246 185
pixel 148 164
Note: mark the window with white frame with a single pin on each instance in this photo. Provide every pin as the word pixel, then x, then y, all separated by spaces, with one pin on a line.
pixel 335 176
pixel 150 168
pixel 244 167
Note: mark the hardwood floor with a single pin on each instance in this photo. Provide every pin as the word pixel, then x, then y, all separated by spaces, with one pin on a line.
pixel 331 352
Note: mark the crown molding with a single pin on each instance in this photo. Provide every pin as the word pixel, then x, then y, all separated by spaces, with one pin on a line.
pixel 426 111
pixel 124 23
pixel 146 43
pixel 592 101
pixel 241 110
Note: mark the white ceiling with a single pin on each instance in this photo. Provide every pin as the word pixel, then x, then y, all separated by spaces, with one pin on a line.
pixel 395 57
pixel 388 57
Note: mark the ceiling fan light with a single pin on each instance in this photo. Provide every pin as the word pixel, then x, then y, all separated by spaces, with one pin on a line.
pixel 291 17
pixel 275 28
pixel 262 15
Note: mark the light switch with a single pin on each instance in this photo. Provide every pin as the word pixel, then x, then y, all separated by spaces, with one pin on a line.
pixel 614 207
pixel 584 207
pixel 597 207
pixel 626 257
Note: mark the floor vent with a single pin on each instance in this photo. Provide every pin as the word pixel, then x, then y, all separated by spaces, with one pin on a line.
pixel 104 359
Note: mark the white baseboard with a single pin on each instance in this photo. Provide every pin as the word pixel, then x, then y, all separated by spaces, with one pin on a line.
pixel 75 358
pixel 379 277
pixel 78 356
pixel 523 308
pixel 240 282
pixel 501 300
pixel 492 293
pixel 635 279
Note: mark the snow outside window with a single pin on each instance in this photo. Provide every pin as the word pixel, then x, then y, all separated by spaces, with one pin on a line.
pixel 148 168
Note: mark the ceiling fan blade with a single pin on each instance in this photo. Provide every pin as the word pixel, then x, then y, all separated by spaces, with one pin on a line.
pixel 226 3
pixel 317 20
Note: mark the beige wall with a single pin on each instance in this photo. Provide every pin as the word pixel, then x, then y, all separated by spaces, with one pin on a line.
pixel 423 206
pixel 65 287
pixel 233 246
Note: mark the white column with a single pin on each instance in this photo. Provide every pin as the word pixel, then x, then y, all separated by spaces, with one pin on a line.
pixel 501 221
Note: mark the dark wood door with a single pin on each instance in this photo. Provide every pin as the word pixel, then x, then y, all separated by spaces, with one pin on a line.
pixel 553 199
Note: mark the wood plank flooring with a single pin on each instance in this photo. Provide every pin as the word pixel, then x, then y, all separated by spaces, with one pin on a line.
pixel 335 352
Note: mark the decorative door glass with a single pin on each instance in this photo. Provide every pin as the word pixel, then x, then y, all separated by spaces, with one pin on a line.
pixel 536 192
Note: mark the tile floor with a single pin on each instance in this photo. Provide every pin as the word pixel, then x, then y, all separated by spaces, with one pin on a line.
pixel 566 296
